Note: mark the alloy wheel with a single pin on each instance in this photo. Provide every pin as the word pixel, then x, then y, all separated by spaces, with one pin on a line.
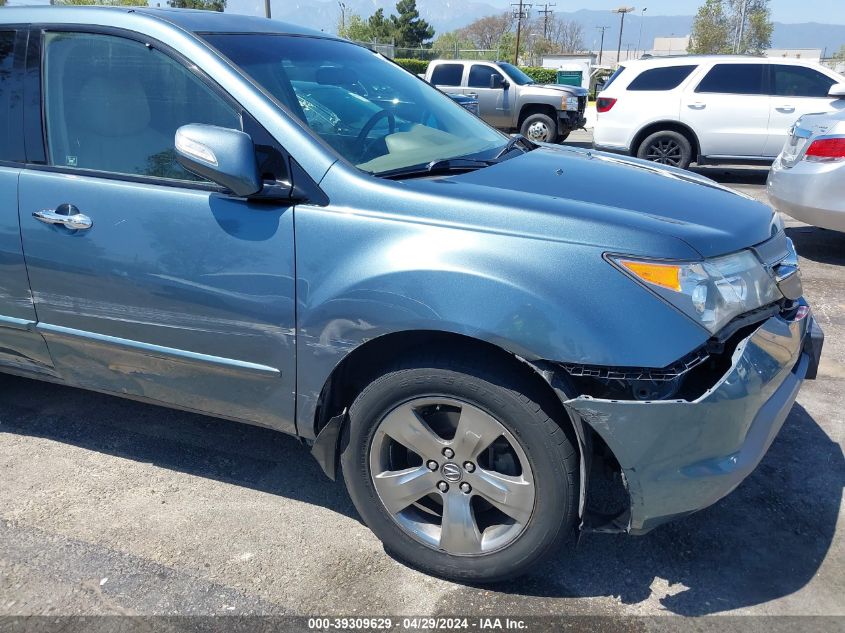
pixel 452 476
pixel 665 151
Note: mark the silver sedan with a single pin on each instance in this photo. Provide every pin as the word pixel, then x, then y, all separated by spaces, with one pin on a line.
pixel 807 180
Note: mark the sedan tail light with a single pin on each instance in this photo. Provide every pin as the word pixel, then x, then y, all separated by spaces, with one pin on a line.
pixel 604 104
pixel 826 149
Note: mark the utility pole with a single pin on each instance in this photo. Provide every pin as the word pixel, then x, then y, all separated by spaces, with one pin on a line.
pixel 546 13
pixel 267 12
pixel 622 11
pixel 601 46
pixel 520 12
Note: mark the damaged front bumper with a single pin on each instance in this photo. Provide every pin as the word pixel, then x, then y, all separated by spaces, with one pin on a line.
pixel 679 456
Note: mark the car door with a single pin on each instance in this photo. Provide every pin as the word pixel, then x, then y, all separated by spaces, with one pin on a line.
pixel 729 110
pixel 21 347
pixel 795 91
pixel 147 280
pixel 493 107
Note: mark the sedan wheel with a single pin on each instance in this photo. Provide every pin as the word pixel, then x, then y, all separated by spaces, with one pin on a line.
pixel 462 471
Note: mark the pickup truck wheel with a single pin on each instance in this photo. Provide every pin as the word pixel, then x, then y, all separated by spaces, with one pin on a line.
pixel 540 128
pixel 460 470
pixel 666 148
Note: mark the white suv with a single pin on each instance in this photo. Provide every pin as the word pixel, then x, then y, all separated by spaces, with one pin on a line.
pixel 709 109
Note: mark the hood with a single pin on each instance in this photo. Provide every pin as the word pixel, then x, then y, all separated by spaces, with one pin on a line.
pixel 575 91
pixel 612 191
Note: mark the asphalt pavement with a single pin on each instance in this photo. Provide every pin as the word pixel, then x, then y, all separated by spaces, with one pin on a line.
pixel 108 506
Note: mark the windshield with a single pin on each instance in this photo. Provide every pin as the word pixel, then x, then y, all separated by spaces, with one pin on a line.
pixel 519 77
pixel 374 114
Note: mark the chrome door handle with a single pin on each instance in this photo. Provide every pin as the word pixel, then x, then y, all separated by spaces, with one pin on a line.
pixel 785 108
pixel 65 214
pixel 698 105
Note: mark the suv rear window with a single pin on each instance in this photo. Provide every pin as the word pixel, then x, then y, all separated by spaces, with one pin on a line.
pixel 613 77
pixel 799 81
pixel 447 75
pixel 734 79
pixel 666 78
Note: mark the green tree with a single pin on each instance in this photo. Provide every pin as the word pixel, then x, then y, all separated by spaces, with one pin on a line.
pixel 753 26
pixel 447 43
pixel 207 5
pixel 710 29
pixel 381 28
pixel 409 29
pixel 355 29
pixel 732 26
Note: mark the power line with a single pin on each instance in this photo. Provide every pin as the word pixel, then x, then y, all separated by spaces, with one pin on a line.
pixel 546 13
pixel 520 12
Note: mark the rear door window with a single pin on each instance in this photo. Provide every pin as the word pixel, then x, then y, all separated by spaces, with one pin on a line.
pixel 10 123
pixel 667 78
pixel 447 75
pixel 799 81
pixel 735 79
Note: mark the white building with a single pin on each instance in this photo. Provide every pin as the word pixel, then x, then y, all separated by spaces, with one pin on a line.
pixel 578 67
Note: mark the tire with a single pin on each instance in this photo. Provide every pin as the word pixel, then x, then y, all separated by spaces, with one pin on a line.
pixel 563 136
pixel 470 394
pixel 540 128
pixel 666 148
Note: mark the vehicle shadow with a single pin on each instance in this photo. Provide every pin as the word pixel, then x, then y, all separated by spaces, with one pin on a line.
pixel 764 541
pixel 734 174
pixel 818 245
pixel 230 452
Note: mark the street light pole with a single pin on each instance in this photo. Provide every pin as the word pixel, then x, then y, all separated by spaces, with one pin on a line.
pixel 267 12
pixel 642 19
pixel 621 11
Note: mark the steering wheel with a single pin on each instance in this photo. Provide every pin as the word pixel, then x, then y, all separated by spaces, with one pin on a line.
pixel 361 141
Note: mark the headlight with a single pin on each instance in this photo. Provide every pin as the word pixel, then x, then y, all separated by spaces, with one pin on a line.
pixel 569 103
pixel 713 291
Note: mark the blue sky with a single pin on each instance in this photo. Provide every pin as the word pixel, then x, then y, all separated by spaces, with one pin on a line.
pixel 825 11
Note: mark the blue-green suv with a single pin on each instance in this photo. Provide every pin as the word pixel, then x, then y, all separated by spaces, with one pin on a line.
pixel 242 218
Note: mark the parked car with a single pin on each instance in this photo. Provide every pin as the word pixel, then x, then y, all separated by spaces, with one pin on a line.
pixel 807 180
pixel 709 109
pixel 510 100
pixel 238 217
pixel 468 103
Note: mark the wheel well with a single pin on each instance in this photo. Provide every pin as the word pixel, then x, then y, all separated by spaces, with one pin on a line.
pixel 661 126
pixel 536 108
pixel 368 361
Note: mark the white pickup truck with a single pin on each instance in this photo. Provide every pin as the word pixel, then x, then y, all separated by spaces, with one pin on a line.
pixel 510 100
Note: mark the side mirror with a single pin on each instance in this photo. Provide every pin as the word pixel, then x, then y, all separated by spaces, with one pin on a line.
pixel 838 91
pixel 222 155
pixel 498 82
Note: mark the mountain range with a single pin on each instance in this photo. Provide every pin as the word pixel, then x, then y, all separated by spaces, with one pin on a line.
pixel 446 15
